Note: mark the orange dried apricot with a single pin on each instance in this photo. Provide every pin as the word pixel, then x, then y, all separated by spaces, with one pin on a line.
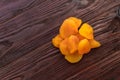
pixel 69 45
pixel 64 47
pixel 77 21
pixel 68 28
pixel 73 43
pixel 86 31
pixel 74 58
pixel 84 46
pixel 56 41
pixel 94 43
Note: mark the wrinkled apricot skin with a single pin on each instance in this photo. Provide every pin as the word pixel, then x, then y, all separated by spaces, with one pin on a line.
pixel 84 46
pixel 74 42
pixel 69 45
pixel 64 47
pixel 77 21
pixel 68 28
pixel 94 43
pixel 86 31
pixel 73 58
pixel 56 41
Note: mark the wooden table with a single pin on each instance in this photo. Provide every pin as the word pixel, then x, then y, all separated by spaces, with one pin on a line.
pixel 26 30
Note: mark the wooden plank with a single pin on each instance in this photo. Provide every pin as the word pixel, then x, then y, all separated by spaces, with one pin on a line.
pixel 26 30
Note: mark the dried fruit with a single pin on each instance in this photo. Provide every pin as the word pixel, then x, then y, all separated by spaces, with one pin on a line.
pixel 68 28
pixel 77 21
pixel 64 47
pixel 84 46
pixel 56 41
pixel 73 58
pixel 94 43
pixel 74 43
pixel 86 31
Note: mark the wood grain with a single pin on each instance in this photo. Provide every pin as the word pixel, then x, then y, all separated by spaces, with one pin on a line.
pixel 26 30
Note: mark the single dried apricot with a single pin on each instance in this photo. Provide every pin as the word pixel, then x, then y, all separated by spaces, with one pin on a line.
pixel 68 28
pixel 73 44
pixel 74 58
pixel 64 47
pixel 84 46
pixel 86 31
pixel 77 21
pixel 56 41
pixel 94 43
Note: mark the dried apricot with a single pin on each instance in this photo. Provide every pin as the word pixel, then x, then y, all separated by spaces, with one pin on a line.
pixel 77 21
pixel 64 47
pixel 68 28
pixel 56 41
pixel 74 58
pixel 86 31
pixel 84 46
pixel 73 44
pixel 94 43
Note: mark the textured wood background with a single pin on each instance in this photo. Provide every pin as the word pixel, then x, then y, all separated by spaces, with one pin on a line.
pixel 26 30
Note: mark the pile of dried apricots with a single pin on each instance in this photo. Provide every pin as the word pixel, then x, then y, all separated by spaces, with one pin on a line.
pixel 75 39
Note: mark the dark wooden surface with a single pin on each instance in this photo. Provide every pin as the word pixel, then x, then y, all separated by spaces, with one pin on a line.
pixel 26 30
